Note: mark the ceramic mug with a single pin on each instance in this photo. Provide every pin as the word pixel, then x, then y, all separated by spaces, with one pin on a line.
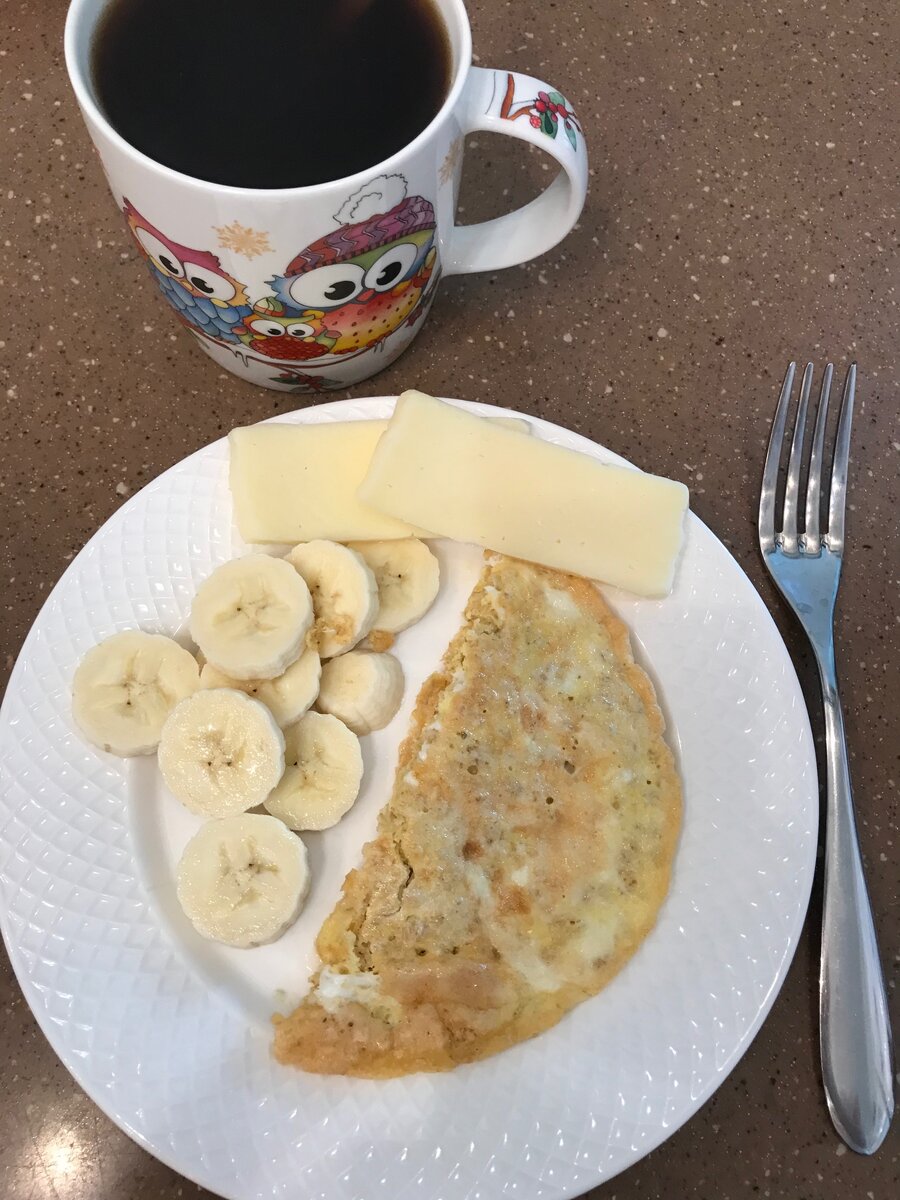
pixel 312 288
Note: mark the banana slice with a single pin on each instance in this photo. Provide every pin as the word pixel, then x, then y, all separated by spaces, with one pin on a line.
pixel 344 594
pixel 125 688
pixel 322 773
pixel 363 690
pixel 407 574
pixel 221 753
pixel 242 880
pixel 251 616
pixel 287 697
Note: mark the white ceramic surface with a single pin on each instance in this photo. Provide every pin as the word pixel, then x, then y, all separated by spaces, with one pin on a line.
pixel 168 1033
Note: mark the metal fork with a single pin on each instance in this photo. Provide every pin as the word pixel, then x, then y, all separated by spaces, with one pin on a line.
pixel 854 1029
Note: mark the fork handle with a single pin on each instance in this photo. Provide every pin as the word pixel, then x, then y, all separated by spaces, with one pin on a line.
pixel 854 1028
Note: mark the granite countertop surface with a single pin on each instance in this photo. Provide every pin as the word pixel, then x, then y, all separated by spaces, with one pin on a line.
pixel 744 189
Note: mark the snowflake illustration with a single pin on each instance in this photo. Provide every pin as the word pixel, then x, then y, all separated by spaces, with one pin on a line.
pixel 451 162
pixel 241 239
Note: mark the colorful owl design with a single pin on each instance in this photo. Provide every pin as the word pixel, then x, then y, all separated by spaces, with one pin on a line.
pixel 205 297
pixel 367 277
pixel 292 336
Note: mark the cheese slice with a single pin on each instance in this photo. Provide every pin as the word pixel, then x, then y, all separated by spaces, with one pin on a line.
pixel 294 483
pixel 468 478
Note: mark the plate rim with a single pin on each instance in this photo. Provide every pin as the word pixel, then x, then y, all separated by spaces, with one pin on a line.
pixel 331 411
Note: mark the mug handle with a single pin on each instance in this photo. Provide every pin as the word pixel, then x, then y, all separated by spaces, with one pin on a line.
pixel 526 108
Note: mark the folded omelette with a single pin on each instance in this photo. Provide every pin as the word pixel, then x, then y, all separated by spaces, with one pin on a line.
pixel 524 852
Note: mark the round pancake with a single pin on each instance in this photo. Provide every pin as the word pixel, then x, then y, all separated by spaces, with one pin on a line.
pixel 524 852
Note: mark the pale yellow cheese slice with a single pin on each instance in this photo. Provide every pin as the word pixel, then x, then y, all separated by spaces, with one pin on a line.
pixel 468 478
pixel 294 483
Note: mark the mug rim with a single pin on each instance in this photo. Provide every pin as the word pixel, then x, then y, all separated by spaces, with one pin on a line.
pixel 78 77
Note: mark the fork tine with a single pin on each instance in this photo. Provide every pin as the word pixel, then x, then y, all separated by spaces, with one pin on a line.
pixel 766 523
pixel 814 487
pixel 838 500
pixel 792 487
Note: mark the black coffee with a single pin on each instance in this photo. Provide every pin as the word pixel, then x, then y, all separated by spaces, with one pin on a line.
pixel 271 93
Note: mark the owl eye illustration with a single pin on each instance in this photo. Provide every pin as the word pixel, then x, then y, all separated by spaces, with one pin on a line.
pixel 299 329
pixel 391 267
pixel 208 283
pixel 160 253
pixel 269 328
pixel 328 286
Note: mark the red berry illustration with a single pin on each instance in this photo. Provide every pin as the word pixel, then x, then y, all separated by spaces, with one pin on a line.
pixel 288 348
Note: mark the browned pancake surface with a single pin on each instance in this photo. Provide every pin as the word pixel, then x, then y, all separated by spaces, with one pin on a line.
pixel 524 852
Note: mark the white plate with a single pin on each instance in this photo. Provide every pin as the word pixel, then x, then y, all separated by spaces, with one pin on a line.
pixel 168 1034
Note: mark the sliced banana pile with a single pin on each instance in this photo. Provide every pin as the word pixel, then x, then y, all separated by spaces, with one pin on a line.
pixel 294 670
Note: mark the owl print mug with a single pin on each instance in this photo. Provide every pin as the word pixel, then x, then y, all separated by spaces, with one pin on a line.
pixel 313 288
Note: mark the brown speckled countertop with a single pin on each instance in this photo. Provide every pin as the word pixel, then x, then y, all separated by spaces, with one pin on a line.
pixel 745 179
